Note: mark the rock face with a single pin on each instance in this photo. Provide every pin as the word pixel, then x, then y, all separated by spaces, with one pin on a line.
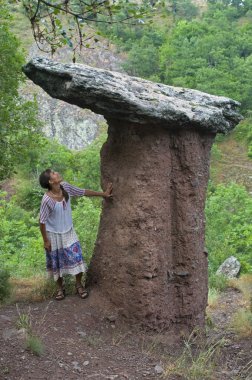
pixel 71 126
pixel 149 256
pixel 230 267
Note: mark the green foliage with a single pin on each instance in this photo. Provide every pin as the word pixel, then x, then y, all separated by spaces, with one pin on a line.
pixel 85 165
pixel 22 250
pixel 56 24
pixel 86 218
pixel 228 226
pixel 143 57
pixel 18 123
pixel 21 245
pixel 182 9
pixel 211 53
pixel 5 287
pixel 243 132
pixel 217 282
pixel 81 168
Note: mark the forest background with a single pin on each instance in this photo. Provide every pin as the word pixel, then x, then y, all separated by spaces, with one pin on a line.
pixel 206 48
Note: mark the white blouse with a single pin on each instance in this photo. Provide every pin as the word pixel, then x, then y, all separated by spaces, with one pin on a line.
pixel 57 216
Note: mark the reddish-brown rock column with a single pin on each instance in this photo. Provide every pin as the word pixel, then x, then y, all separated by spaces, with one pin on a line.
pixel 149 256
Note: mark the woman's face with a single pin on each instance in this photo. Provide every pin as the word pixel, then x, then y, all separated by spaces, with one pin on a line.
pixel 55 178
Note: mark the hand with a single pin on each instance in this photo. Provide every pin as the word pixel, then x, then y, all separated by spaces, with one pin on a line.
pixel 108 192
pixel 47 245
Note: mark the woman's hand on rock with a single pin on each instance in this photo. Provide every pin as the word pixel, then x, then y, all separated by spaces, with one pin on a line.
pixel 108 192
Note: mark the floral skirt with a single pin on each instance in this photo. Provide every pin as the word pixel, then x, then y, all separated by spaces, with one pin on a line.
pixel 65 256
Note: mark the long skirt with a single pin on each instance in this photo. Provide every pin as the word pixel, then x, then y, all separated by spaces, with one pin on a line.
pixel 65 256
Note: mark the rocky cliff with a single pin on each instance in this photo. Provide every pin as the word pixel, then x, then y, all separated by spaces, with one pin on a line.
pixel 70 125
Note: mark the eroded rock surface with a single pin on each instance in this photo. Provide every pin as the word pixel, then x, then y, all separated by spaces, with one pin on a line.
pixel 120 97
pixel 149 257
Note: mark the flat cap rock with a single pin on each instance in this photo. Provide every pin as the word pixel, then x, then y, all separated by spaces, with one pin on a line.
pixel 125 98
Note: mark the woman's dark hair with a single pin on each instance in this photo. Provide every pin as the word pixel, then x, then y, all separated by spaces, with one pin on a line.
pixel 44 179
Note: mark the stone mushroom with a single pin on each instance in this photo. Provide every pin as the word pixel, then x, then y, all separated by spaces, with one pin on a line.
pixel 149 256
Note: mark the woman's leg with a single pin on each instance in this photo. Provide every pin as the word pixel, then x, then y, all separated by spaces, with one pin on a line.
pixel 60 295
pixel 78 279
pixel 60 283
pixel 79 288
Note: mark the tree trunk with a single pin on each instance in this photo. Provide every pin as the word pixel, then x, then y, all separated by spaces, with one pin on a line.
pixel 149 255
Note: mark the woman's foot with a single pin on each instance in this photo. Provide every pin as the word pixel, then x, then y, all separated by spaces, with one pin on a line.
pixel 60 295
pixel 81 291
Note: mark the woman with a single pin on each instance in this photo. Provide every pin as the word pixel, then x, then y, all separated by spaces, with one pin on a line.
pixel 63 250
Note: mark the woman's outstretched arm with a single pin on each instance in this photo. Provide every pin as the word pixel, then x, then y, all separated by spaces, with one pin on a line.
pixel 106 194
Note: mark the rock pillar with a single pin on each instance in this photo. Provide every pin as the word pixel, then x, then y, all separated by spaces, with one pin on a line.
pixel 149 256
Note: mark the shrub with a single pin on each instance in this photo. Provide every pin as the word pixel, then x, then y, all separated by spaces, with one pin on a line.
pixel 228 226
pixel 217 282
pixel 5 287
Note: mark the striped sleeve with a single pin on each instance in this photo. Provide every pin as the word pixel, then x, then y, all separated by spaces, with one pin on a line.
pixel 73 191
pixel 47 206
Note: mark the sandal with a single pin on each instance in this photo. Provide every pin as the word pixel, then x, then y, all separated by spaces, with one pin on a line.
pixel 82 293
pixel 60 295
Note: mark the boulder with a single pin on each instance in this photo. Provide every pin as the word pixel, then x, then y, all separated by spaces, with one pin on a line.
pixel 122 98
pixel 230 267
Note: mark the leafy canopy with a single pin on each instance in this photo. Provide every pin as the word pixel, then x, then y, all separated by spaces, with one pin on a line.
pixel 57 23
pixel 18 123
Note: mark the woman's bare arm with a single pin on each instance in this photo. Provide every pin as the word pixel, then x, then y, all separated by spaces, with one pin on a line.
pixel 105 194
pixel 47 243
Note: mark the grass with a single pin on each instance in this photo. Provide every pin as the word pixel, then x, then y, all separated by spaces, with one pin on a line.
pixel 32 289
pixel 118 338
pixel 34 328
pixel 93 340
pixel 34 345
pixel 230 162
pixel 39 288
pixel 244 284
pixel 241 323
pixel 152 345
pixel 217 282
pixel 213 297
pixel 195 362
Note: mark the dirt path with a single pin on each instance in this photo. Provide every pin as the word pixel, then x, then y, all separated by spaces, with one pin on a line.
pixel 236 353
pixel 82 342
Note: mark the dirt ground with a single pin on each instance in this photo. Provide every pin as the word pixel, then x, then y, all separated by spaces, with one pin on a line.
pixel 84 342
